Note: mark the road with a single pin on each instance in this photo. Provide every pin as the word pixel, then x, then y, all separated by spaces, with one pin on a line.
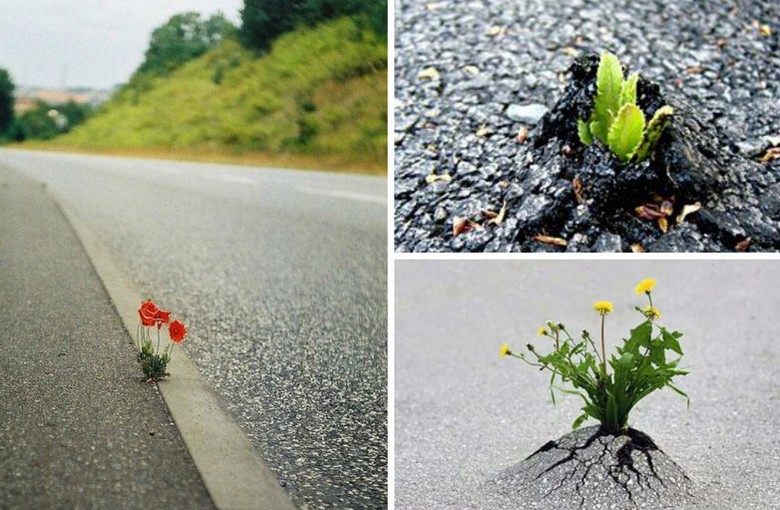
pixel 281 277
pixel 462 414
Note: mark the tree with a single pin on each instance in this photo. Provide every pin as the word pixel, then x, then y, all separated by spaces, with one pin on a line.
pixel 6 101
pixel 262 21
pixel 184 37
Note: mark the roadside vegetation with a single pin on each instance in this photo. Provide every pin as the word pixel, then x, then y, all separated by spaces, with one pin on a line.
pixel 310 91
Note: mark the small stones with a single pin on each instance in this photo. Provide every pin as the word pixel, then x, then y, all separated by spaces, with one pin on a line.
pixel 607 242
pixel 527 113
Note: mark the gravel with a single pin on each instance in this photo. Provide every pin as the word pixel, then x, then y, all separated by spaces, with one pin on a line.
pixel 492 58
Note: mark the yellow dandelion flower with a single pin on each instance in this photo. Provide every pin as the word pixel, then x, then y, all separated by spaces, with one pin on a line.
pixel 542 331
pixel 652 312
pixel 644 286
pixel 603 307
pixel 504 351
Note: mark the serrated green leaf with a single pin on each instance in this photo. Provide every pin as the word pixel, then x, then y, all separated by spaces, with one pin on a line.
pixel 584 131
pixel 599 130
pixel 628 90
pixel 626 132
pixel 671 342
pixel 609 82
pixel 654 130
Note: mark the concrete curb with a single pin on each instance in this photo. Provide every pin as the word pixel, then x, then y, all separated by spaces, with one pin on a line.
pixel 234 475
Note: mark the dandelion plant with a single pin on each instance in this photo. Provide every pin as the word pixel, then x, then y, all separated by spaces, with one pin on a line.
pixel 616 121
pixel 610 387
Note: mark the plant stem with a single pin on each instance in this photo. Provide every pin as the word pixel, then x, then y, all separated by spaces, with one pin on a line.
pixel 158 340
pixel 603 348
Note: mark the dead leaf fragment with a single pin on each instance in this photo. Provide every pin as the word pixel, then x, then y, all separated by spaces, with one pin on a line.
pixel 431 178
pixel 522 135
pixel 495 31
pixel 498 219
pixel 743 245
pixel 434 5
pixel 667 209
pixel 483 131
pixel 663 224
pixel 430 73
pixel 771 154
pixel 577 185
pixel 572 52
pixel 686 210
pixel 765 30
pixel 556 241
pixel 694 69
pixel 721 43
pixel 649 212
pixel 474 70
pixel 459 225
pixel 637 248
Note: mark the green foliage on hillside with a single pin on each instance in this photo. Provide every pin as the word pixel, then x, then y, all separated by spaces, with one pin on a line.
pixel 320 91
pixel 262 21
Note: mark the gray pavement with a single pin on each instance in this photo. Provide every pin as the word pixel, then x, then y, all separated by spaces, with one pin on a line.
pixel 462 415
pixel 78 429
pixel 281 277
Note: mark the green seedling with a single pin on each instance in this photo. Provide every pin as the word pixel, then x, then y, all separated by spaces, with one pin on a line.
pixel 616 121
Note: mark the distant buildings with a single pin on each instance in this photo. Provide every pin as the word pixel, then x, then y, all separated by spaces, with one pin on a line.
pixel 27 98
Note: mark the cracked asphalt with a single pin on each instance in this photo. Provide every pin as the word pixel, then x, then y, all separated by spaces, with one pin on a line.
pixel 586 470
pixel 463 416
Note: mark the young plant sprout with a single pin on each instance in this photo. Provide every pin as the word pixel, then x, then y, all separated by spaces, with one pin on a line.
pixel 616 120
pixel 610 388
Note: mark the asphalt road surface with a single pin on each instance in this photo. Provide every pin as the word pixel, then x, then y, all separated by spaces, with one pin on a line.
pixel 462 414
pixel 281 278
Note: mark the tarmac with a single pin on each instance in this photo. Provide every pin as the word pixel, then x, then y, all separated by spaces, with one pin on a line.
pixel 78 426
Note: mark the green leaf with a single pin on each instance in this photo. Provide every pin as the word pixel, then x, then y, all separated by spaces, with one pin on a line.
pixel 626 132
pixel 599 130
pixel 628 90
pixel 579 421
pixel 671 341
pixel 640 337
pixel 654 130
pixel 609 82
pixel 584 131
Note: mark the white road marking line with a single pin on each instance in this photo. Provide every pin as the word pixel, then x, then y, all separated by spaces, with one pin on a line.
pixel 374 199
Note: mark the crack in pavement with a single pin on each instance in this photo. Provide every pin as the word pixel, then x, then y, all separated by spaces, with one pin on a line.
pixel 579 462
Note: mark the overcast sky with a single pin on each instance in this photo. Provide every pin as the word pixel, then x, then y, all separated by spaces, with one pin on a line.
pixel 89 43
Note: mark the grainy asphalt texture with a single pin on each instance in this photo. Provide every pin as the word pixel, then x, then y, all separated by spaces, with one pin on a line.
pixel 463 415
pixel 463 68
pixel 78 427
pixel 281 278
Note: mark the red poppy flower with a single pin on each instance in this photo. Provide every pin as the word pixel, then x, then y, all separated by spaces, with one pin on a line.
pixel 147 312
pixel 177 331
pixel 161 317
